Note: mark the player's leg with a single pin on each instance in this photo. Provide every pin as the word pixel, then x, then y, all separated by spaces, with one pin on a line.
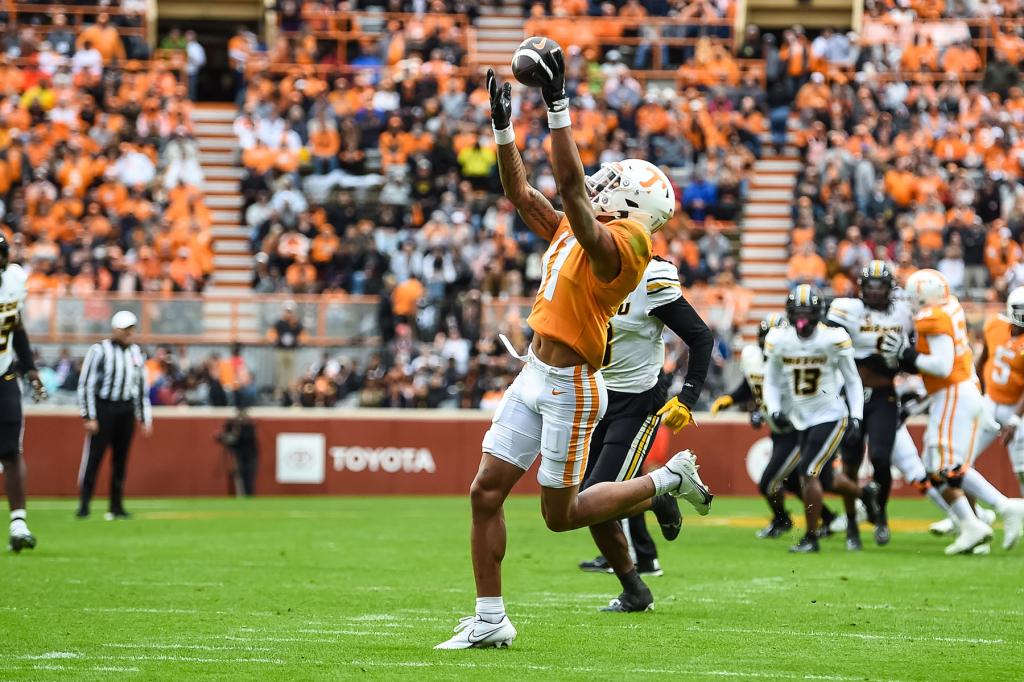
pixel 781 465
pixel 908 462
pixel 1016 450
pixel 20 537
pixel 635 528
pixel 953 423
pixel 881 429
pixel 510 446
pixel 627 440
pixel 568 425
pixel 852 458
pixel 120 446
pixel 818 445
pixel 92 456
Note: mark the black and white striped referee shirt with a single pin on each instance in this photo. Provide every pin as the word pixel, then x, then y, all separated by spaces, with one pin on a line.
pixel 116 373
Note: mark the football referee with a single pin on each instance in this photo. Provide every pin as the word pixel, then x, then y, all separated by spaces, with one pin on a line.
pixel 112 396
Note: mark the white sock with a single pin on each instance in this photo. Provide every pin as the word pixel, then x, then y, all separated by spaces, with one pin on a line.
pixel 18 520
pixel 664 480
pixel 936 497
pixel 491 609
pixel 962 510
pixel 977 485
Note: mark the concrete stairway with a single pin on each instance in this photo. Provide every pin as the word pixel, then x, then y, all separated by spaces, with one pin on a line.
pixel 766 228
pixel 218 154
pixel 499 31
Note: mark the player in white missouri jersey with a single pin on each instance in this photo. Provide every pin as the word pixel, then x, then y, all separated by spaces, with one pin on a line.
pixel 805 363
pixel 867 319
pixel 14 346
pixel 637 388
pixel 780 474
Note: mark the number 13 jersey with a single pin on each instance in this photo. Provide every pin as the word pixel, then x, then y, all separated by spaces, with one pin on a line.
pixel 807 372
pixel 573 306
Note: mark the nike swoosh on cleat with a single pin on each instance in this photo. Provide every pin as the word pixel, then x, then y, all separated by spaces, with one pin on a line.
pixel 484 636
pixel 554 392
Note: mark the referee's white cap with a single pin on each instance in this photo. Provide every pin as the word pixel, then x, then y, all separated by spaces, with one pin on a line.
pixel 123 319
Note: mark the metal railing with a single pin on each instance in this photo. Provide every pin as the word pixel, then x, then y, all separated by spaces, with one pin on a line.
pixel 329 320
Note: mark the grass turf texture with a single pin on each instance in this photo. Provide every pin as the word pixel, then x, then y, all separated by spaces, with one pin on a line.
pixel 328 588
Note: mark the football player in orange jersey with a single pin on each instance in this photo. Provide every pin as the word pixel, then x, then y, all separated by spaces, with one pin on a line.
pixel 942 356
pixel 599 249
pixel 1001 367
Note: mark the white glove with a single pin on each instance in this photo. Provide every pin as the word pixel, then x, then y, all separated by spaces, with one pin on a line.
pixel 892 346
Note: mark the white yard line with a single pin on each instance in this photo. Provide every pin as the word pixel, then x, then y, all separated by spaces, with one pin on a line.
pixel 894 637
pixel 191 647
pixel 605 671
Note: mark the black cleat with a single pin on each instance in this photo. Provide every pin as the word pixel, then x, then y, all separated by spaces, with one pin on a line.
pixel 777 528
pixel 631 602
pixel 666 510
pixel 596 565
pixel 869 496
pixel 882 534
pixel 82 514
pixel 117 516
pixel 649 568
pixel 16 543
pixel 825 531
pixel 853 543
pixel 808 544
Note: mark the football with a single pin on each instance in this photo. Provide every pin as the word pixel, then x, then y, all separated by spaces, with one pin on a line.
pixel 527 65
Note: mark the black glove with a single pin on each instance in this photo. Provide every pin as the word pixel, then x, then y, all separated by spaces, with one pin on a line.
pixel 756 419
pixel 553 90
pixel 781 421
pixel 501 101
pixel 853 430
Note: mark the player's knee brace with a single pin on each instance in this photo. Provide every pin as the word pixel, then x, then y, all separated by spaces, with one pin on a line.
pixel 922 485
pixel 937 480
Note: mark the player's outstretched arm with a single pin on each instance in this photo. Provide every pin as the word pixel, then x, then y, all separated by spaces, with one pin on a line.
pixel 854 386
pixel 537 212
pixel 570 179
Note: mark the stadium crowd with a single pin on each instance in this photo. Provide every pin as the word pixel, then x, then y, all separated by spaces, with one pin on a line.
pixel 99 169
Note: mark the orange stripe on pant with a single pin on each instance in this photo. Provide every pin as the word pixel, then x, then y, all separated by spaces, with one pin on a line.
pixel 577 415
pixel 595 411
pixel 949 429
pixel 942 423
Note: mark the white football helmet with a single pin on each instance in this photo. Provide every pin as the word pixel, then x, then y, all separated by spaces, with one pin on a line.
pixel 1015 307
pixel 926 287
pixel 632 189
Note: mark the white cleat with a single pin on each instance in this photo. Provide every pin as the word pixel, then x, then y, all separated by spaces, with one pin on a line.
pixel 838 524
pixel 691 488
pixel 472 632
pixel 1013 522
pixel 972 534
pixel 983 550
pixel 946 526
pixel 20 537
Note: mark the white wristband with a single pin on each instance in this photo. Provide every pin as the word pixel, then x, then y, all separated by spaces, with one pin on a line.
pixel 504 136
pixel 559 119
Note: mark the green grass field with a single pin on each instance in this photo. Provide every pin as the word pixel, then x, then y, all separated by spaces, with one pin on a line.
pixel 328 588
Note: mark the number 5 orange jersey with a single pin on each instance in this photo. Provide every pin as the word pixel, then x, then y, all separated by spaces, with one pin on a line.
pixel 946 319
pixel 1004 366
pixel 573 306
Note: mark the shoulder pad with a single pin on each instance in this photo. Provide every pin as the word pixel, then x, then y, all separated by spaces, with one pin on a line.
pixel 846 311
pixel 659 270
pixel 749 355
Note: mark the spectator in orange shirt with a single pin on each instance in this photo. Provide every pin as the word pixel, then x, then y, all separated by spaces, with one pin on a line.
pixel 301 276
pixel 324 144
pixel 1001 252
pixel 105 38
pixel 814 95
pixel 929 223
pixel 405 299
pixel 961 58
pixel 806 267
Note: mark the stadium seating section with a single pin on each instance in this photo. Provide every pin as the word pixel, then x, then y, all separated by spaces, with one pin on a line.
pixel 370 168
